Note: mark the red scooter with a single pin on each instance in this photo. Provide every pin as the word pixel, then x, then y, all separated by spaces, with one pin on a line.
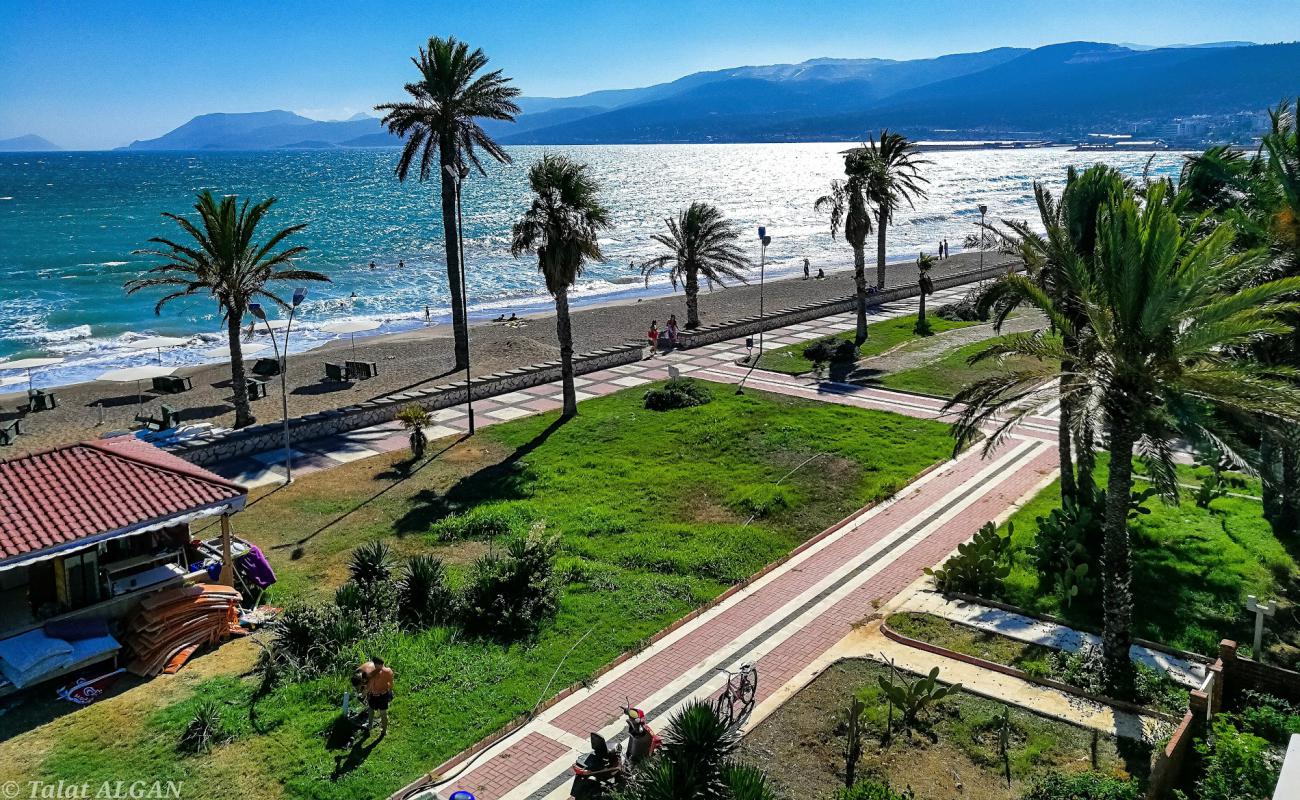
pixel 597 772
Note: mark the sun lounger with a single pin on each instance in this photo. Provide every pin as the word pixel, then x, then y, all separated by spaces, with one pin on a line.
pixel 266 367
pixel 362 370
pixel 10 430
pixel 172 384
pixel 170 417
pixel 336 372
pixel 41 400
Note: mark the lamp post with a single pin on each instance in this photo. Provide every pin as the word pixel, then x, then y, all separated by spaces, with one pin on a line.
pixel 299 294
pixel 458 177
pixel 763 240
pixel 983 210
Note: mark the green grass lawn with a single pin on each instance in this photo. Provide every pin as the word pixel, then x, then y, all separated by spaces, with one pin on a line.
pixel 653 511
pixel 882 336
pixel 949 373
pixel 1192 567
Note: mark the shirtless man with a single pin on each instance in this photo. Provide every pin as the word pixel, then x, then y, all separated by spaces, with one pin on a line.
pixel 377 684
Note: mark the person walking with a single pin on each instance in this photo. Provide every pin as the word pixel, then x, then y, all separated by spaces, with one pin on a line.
pixel 805 269
pixel 377 683
pixel 653 335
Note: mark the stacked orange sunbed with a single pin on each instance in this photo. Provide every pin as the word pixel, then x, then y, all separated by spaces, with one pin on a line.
pixel 171 625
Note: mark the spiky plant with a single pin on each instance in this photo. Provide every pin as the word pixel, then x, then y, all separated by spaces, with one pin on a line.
pixel 423 598
pixel 371 562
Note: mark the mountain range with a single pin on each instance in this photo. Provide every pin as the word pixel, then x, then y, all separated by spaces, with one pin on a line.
pixel 31 143
pixel 1056 92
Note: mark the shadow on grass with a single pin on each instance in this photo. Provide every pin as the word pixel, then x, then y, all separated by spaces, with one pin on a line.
pixel 346 734
pixel 504 480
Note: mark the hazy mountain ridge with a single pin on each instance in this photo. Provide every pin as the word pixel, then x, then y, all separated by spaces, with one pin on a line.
pixel 1054 90
pixel 28 143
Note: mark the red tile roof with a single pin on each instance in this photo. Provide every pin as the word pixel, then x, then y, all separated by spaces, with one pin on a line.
pixel 59 496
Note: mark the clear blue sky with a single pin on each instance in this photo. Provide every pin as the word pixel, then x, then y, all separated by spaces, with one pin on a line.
pixel 100 74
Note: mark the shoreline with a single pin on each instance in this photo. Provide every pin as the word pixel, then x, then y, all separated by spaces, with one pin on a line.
pixel 412 358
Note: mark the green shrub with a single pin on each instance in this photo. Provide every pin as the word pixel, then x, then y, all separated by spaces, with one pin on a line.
pixel 1269 717
pixel 204 730
pixel 1236 765
pixel 831 351
pixel 967 309
pixel 764 499
pixel 485 522
pixel 1082 786
pixel 870 789
pixel 371 562
pixel 915 697
pixel 980 565
pixel 677 393
pixel 311 640
pixel 423 598
pixel 509 595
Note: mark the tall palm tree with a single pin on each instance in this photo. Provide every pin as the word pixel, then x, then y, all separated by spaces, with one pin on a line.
pixel 892 168
pixel 441 119
pixel 561 227
pixel 924 263
pixel 701 242
pixel 847 206
pixel 225 262
pixel 1164 311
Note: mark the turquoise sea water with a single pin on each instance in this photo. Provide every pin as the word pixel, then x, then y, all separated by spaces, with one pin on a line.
pixel 69 223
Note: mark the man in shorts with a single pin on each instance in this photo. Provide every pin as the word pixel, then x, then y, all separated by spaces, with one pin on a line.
pixel 377 685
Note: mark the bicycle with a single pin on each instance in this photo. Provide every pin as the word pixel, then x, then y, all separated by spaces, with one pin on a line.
pixel 741 687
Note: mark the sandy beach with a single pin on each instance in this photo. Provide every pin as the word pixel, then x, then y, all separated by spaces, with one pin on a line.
pixel 418 357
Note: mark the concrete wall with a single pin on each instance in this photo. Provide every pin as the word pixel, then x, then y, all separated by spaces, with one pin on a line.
pixel 212 449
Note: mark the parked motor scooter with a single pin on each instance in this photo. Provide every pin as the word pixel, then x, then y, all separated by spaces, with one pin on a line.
pixel 601 770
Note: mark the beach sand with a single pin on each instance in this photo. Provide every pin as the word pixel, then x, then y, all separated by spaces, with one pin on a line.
pixel 420 357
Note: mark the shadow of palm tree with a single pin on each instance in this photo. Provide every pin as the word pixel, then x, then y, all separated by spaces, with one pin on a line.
pixel 505 480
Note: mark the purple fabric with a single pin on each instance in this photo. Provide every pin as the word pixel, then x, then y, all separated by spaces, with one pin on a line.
pixel 255 568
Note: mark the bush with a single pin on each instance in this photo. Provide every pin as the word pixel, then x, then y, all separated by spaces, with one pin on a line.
pixel 1269 717
pixel 1082 786
pixel 833 350
pixel 508 596
pixel 371 562
pixel 423 598
pixel 204 730
pixel 870 789
pixel 1237 765
pixel 967 309
pixel 1065 549
pixel 479 523
pixel 311 640
pixel 677 393
pixel 980 565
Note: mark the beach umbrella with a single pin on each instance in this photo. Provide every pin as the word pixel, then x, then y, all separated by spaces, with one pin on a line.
pixel 156 343
pixel 351 327
pixel 30 364
pixel 260 325
pixel 137 375
pixel 223 351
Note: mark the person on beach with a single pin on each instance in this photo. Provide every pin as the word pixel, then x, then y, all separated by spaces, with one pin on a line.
pixel 377 685
pixel 805 269
pixel 426 315
pixel 671 327
pixel 654 334
pixel 821 274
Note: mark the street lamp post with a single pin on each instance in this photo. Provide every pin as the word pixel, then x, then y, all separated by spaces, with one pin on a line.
pixel 764 240
pixel 299 294
pixel 983 210
pixel 458 177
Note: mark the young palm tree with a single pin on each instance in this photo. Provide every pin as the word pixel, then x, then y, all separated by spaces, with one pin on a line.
pixel 697 762
pixel 1163 312
pixel 847 206
pixel 892 170
pixel 225 262
pixel 440 120
pixel 562 227
pixel 924 263
pixel 701 242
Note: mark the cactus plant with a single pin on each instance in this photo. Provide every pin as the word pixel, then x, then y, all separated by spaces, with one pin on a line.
pixel 979 566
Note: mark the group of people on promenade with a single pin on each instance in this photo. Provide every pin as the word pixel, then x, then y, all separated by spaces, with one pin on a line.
pixel 669 332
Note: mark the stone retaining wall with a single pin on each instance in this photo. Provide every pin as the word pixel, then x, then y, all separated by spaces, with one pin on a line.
pixel 214 448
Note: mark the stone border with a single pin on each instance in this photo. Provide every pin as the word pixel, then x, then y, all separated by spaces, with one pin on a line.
pixel 213 448
pixel 976 661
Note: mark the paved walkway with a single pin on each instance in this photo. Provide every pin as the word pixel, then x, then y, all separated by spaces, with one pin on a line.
pixel 1048 634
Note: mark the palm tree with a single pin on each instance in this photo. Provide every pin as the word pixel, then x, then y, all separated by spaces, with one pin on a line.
pixel 697 762
pixel 225 262
pixel 562 227
pixel 1163 313
pixel 847 206
pixel 701 242
pixel 924 263
pixel 893 176
pixel 441 118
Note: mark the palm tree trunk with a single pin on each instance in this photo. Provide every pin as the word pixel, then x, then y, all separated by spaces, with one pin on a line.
pixel 235 327
pixel 920 314
pixel 451 237
pixel 860 289
pixel 1271 454
pixel 881 225
pixel 1117 572
pixel 692 298
pixel 1064 432
pixel 564 331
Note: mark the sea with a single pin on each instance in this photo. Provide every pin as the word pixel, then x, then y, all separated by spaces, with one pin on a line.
pixel 71 223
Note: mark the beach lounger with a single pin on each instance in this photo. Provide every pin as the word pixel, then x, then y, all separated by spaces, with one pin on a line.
pixel 266 367
pixel 256 388
pixel 170 417
pixel 10 430
pixel 336 372
pixel 362 370
pixel 41 400
pixel 172 384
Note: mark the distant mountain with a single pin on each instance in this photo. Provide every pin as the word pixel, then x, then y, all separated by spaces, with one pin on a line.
pixel 31 143
pixel 1054 91
pixel 1230 43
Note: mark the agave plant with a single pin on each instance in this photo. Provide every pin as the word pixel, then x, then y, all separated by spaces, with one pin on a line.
pixel 204 730
pixel 371 563
pixel 423 598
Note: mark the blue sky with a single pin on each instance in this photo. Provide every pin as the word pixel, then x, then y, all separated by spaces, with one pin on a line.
pixel 94 75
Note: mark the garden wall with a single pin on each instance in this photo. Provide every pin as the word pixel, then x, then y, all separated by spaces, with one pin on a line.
pixel 214 448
